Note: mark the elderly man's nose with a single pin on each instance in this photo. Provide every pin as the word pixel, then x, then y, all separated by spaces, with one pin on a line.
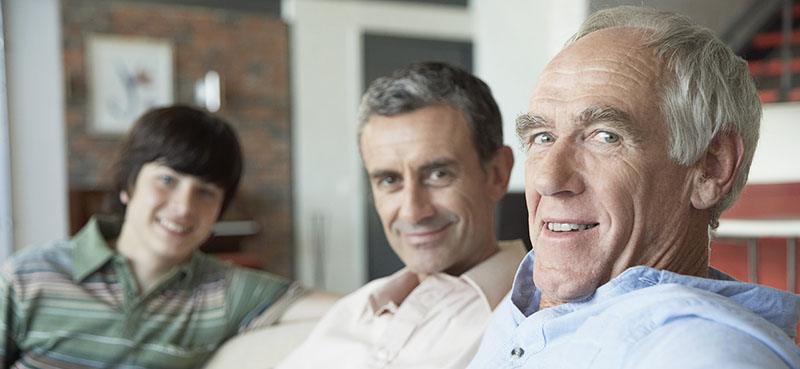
pixel 556 172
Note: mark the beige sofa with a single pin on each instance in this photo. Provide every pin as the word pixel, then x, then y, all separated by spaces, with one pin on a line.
pixel 265 347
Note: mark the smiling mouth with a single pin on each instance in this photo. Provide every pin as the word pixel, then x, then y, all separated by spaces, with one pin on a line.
pixel 172 227
pixel 569 227
pixel 426 236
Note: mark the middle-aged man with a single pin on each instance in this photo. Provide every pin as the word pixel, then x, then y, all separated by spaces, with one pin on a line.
pixel 431 142
pixel 638 134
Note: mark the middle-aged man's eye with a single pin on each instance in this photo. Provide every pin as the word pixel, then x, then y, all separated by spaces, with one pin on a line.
pixel 438 174
pixel 388 181
pixel 543 138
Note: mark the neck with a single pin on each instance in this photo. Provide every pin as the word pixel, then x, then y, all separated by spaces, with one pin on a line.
pixel 146 269
pixel 690 254
pixel 459 269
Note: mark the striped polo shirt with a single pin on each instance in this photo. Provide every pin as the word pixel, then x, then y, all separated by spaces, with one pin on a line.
pixel 76 304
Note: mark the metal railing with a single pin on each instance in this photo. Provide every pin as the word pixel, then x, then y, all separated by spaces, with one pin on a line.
pixel 751 230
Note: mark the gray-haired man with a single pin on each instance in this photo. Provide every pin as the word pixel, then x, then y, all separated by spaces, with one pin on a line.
pixel 638 135
pixel 431 142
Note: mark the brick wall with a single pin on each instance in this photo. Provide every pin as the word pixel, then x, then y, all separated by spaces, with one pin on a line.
pixel 250 52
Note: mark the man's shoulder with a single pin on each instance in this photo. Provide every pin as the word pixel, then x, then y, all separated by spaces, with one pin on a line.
pixel 669 311
pixel 704 343
pixel 210 269
pixel 664 303
pixel 56 255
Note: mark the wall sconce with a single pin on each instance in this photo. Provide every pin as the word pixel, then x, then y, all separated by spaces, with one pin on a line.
pixel 208 91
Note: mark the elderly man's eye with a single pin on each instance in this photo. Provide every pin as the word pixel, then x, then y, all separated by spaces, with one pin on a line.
pixel 607 137
pixel 543 138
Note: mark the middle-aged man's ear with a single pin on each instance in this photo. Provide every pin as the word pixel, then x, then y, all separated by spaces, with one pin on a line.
pixel 498 172
pixel 716 170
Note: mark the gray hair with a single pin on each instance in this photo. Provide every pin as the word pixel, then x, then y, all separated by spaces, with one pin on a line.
pixel 710 92
pixel 420 85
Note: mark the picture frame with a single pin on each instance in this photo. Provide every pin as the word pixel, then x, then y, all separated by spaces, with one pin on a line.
pixel 126 77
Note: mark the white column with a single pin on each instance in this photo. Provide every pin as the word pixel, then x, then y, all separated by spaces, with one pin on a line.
pixel 36 121
pixel 513 42
pixel 776 157
pixel 6 229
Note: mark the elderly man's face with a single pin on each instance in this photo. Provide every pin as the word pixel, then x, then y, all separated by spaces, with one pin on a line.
pixel 602 193
pixel 433 198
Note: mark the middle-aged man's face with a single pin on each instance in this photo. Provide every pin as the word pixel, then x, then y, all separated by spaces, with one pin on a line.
pixel 602 193
pixel 434 199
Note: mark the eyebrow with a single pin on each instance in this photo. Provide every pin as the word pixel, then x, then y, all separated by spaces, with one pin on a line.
pixel 437 163
pixel 378 174
pixel 527 122
pixel 428 166
pixel 615 118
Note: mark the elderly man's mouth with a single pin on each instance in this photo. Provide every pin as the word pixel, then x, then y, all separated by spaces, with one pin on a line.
pixel 569 227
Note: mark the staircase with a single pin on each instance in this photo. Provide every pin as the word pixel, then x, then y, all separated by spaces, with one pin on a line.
pixel 774 60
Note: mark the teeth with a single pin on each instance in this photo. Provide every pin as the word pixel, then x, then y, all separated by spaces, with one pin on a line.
pixel 567 227
pixel 172 226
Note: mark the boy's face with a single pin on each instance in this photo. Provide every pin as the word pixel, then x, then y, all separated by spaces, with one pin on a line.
pixel 169 214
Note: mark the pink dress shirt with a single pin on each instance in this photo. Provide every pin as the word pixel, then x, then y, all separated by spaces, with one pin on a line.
pixel 394 323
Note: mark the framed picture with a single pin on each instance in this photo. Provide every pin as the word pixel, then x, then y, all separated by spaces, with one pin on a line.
pixel 126 77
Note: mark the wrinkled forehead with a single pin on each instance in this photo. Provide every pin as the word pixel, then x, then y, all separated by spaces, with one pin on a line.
pixel 610 67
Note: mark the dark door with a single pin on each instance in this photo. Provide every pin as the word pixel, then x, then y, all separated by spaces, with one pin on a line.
pixel 382 55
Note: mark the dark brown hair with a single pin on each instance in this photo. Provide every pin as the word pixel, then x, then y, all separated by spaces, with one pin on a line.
pixel 188 140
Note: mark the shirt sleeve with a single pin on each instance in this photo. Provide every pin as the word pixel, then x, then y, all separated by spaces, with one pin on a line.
pixel 701 343
pixel 7 331
pixel 256 298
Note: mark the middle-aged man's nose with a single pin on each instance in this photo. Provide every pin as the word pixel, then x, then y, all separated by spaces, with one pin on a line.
pixel 554 173
pixel 415 205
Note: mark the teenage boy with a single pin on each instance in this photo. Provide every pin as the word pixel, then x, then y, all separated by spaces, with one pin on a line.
pixel 138 293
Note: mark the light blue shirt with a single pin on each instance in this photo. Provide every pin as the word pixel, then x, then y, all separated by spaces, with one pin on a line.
pixel 645 318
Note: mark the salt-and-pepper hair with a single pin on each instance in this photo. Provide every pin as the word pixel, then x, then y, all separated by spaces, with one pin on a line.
pixel 709 90
pixel 420 85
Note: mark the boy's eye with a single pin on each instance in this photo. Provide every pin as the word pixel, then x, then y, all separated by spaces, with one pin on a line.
pixel 209 192
pixel 166 179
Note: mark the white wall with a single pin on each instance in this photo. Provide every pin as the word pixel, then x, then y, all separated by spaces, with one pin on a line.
pixel 36 121
pixel 513 43
pixel 777 157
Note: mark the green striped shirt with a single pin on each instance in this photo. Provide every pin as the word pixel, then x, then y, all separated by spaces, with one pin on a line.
pixel 75 304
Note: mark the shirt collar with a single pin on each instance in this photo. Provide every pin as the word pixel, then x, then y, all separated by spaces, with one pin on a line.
pixel 92 250
pixel 525 296
pixel 91 247
pixel 487 278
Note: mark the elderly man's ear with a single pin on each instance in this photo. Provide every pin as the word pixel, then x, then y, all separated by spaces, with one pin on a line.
pixel 498 172
pixel 716 170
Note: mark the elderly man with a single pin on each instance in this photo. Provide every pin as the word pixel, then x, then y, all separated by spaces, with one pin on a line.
pixel 639 134
pixel 431 142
